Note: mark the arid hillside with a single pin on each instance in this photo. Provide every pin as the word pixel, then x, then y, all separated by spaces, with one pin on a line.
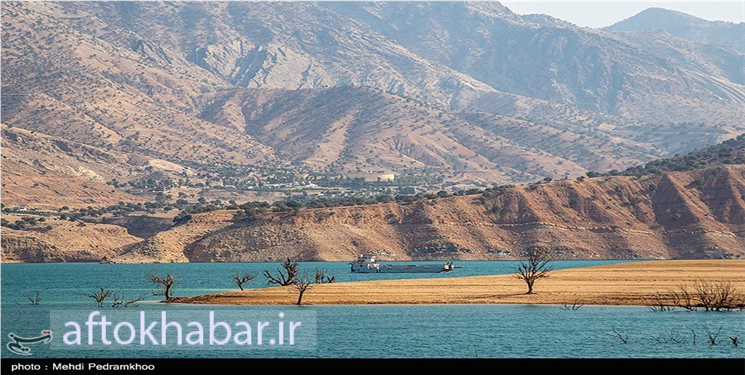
pixel 61 241
pixel 676 215
pixel 41 170
pixel 453 91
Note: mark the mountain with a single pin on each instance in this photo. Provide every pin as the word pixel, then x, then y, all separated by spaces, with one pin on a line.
pixel 467 92
pixel 352 128
pixel 554 61
pixel 685 26
pixel 677 215
pixel 689 206
pixel 68 82
pixel 718 62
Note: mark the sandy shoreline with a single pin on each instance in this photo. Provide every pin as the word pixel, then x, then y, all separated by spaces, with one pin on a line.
pixel 617 284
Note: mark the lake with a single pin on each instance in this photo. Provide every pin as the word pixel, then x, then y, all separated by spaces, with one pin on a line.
pixel 455 331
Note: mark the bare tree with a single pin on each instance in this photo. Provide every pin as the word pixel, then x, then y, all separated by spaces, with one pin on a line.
pixel 322 277
pixel 683 298
pixel 243 278
pixel 711 296
pixel 534 267
pixel 100 296
pixel 165 283
pixel 285 276
pixel 715 296
pixel 302 284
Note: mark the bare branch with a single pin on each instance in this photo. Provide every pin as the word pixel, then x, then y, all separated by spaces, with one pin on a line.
pixel 35 300
pixel 712 336
pixel 624 339
pixel 133 302
pixel 285 276
pixel 574 306
pixel 322 277
pixel 100 296
pixel 675 337
pixel 243 278
pixel 659 303
pixel 693 332
pixel 120 301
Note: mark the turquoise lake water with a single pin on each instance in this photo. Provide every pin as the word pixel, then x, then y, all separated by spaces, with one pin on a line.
pixel 454 331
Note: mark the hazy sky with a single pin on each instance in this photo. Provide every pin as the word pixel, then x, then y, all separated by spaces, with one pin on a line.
pixel 605 13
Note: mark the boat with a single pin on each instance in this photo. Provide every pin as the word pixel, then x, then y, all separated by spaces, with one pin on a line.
pixel 368 264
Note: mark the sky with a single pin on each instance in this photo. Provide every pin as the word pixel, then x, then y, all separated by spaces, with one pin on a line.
pixel 605 13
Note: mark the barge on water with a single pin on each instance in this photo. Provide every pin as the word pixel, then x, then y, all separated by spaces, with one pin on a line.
pixel 368 264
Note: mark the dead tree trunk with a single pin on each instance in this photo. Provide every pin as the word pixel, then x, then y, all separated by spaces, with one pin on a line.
pixel 302 284
pixel 166 283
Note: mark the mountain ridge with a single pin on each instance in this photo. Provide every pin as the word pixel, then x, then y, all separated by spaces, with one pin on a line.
pixel 685 26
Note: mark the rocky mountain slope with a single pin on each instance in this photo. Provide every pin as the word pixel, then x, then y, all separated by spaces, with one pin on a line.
pixel 697 214
pixel 548 59
pixel 348 128
pixel 64 172
pixel 71 83
pixel 182 82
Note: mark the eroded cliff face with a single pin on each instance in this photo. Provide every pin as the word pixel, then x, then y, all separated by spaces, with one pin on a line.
pixel 699 214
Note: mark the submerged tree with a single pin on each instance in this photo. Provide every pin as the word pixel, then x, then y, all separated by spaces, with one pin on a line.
pixel 34 300
pixel 165 283
pixel 100 296
pixel 285 276
pixel 535 266
pixel 120 301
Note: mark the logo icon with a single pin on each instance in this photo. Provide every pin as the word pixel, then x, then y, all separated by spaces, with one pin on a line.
pixel 17 347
